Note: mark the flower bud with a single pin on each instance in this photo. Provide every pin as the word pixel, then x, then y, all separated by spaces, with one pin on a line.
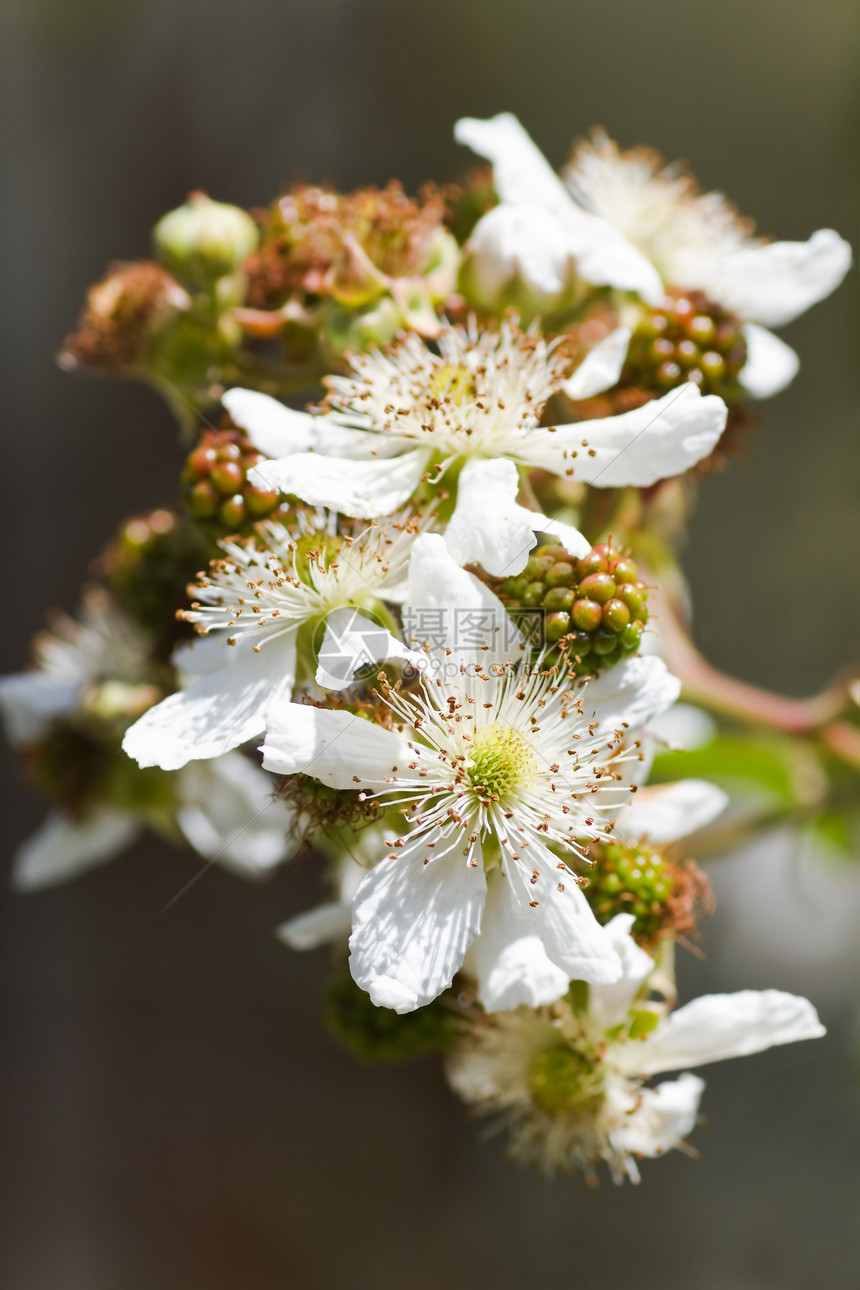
pixel 204 240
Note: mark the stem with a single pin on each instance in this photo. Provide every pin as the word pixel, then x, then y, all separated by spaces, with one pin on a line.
pixel 712 689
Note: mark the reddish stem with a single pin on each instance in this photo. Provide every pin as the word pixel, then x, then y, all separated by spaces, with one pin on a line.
pixel 706 685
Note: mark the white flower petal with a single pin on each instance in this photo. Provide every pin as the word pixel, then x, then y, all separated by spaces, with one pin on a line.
pixel 64 848
pixel 684 726
pixel 771 364
pixel 609 1004
pixel 523 177
pixel 412 924
pixel 604 257
pixel 229 814
pixel 351 642
pixel 717 1026
pixel 274 430
pixel 632 692
pixel 367 489
pixel 569 537
pixel 337 747
pixel 556 911
pixel 202 656
pixel 488 527
pixel 29 701
pixel 519 246
pixel 321 926
pixel 449 604
pixel 601 367
pixel 658 440
pixel 666 812
pixel 219 711
pixel 521 173
pixel 775 282
pixel 663 1117
pixel 507 959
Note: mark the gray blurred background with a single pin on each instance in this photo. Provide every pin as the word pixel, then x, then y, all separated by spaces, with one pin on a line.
pixel 174 1116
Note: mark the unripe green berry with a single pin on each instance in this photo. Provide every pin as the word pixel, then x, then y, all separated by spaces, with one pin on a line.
pixel 598 586
pixel 232 512
pixel 604 642
pixel 228 477
pixel 687 353
pixel 200 462
pixel 713 364
pixel 624 571
pixel 632 597
pixel 631 637
pixel 616 615
pixel 560 574
pixel 556 625
pixel 701 329
pixel 594 562
pixel 668 375
pixel 203 500
pixel 587 615
pixel 259 501
pixel 537 566
pixel 580 643
pixel 534 594
pixel 559 598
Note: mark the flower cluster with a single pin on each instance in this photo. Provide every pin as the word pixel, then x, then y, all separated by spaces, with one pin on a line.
pixel 418 637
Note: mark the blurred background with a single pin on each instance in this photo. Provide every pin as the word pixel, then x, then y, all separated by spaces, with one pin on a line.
pixel 174 1116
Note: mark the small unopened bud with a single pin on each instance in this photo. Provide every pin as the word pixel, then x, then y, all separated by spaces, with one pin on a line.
pixel 204 240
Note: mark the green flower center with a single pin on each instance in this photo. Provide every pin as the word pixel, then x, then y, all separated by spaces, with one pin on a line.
pixel 501 762
pixel 453 383
pixel 314 550
pixel 563 1079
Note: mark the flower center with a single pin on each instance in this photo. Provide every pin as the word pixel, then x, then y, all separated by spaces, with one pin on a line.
pixel 315 554
pixel 501 761
pixel 563 1079
pixel 453 382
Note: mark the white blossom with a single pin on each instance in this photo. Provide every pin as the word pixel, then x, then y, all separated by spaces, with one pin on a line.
pixel 423 416
pixel 651 229
pixel 499 772
pixel 569 1080
pixel 251 607
pixel 100 663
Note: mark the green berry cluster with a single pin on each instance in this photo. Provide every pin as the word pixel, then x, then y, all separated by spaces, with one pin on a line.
pixel 318 807
pixel 665 896
pixel 379 1035
pixel 593 609
pixel 148 567
pixel 215 484
pixel 687 338
pixel 80 765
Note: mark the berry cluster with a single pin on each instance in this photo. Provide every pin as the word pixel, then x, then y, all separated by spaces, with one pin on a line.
pixel 215 484
pixel 380 1035
pixel 665 897
pixel 147 568
pixel 594 609
pixel 687 338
